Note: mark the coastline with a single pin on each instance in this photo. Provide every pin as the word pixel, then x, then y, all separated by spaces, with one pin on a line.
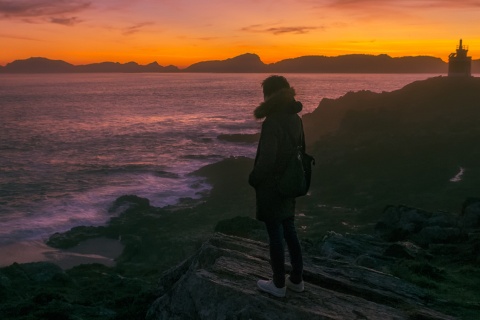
pixel 93 245
pixel 424 247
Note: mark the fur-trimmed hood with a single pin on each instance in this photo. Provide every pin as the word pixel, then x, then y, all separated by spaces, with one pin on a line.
pixel 281 101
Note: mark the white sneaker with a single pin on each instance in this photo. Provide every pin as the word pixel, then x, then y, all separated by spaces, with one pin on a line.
pixel 292 286
pixel 269 287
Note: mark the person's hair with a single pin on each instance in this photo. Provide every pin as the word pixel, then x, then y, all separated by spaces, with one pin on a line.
pixel 273 84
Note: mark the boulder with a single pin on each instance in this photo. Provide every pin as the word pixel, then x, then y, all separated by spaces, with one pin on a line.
pixel 401 223
pixel 437 234
pixel 361 249
pixel 442 219
pixel 219 282
pixel 127 202
pixel 398 222
pixel 71 238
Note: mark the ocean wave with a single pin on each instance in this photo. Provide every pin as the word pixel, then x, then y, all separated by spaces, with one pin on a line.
pixel 119 169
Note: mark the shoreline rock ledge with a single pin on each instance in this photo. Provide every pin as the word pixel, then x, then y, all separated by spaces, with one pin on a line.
pixel 219 282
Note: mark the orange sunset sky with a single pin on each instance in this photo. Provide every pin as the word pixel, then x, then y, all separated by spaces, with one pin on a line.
pixel 182 32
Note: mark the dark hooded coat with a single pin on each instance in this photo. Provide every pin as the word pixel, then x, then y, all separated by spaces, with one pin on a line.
pixel 282 131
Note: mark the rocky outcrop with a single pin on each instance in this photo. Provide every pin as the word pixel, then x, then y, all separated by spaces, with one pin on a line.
pixel 402 223
pixel 219 282
pixel 348 276
pixel 42 290
pixel 405 146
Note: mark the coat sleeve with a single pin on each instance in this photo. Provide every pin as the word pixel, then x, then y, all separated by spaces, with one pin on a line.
pixel 266 154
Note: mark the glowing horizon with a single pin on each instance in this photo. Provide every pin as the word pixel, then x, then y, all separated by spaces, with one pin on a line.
pixel 181 33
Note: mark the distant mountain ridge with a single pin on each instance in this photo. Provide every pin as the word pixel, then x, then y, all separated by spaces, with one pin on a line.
pixel 251 63
pixel 44 65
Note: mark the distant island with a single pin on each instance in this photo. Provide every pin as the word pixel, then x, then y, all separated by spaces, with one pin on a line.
pixel 250 63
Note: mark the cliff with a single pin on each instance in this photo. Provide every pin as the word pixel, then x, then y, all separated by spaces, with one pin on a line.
pixel 404 146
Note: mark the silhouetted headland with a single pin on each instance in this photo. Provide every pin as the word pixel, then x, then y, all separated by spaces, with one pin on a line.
pixel 251 63
pixel 404 146
pixel 244 63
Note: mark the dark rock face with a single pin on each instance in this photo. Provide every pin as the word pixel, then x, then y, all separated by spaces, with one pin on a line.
pixel 124 205
pixel 404 146
pixel 219 282
pixel 399 222
pixel 74 236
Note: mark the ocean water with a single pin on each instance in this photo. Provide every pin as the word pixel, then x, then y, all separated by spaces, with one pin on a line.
pixel 70 144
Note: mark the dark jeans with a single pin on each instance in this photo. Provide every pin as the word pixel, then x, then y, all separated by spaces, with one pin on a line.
pixel 277 231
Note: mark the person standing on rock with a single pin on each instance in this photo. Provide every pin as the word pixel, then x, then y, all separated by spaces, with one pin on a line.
pixel 282 124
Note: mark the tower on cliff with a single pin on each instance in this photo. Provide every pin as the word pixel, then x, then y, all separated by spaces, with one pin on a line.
pixel 459 65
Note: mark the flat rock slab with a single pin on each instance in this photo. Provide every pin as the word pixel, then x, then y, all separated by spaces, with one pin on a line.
pixel 219 282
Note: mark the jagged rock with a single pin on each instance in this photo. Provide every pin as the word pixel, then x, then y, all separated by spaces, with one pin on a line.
pixel 403 250
pixel 437 234
pixel 127 202
pixel 442 219
pixel 367 261
pixel 74 236
pixel 363 250
pixel 398 222
pixel 127 208
pixel 368 250
pixel 401 223
pixel 219 282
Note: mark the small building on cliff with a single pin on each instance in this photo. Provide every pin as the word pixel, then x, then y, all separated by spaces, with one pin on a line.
pixel 459 64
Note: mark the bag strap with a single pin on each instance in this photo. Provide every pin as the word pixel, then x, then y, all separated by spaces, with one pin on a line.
pixel 292 139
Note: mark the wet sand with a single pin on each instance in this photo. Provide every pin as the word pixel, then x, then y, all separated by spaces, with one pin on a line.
pixel 97 250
